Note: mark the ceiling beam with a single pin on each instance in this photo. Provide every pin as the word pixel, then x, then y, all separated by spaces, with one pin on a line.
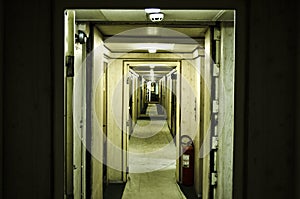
pixel 169 24
pixel 153 39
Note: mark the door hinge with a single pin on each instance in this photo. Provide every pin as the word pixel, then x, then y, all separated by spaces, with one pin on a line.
pixel 70 66
pixel 216 70
pixel 217 34
pixel 214 142
pixel 127 123
pixel 128 80
pixel 215 106
pixel 81 124
pixel 214 178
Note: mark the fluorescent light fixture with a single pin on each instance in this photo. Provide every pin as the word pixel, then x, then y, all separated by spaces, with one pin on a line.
pixel 152 10
pixel 151 65
pixel 152 50
pixel 127 46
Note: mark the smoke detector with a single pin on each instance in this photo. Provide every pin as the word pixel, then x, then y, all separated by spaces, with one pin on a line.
pixel 156 17
pixel 154 14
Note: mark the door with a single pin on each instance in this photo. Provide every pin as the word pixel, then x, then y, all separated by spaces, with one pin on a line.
pixel 130 103
pixel 173 104
pixel 104 128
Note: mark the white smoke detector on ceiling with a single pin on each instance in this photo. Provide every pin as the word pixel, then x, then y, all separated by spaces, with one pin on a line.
pixel 156 17
pixel 154 14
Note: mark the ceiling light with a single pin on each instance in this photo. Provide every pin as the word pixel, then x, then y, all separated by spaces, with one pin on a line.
pixel 152 10
pixel 151 65
pixel 146 46
pixel 152 50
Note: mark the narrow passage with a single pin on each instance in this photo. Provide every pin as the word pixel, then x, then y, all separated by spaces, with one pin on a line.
pixel 152 161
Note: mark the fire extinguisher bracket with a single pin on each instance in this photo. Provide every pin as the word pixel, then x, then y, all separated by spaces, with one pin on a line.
pixel 190 141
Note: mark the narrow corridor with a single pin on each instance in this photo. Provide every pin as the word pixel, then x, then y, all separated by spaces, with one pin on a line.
pixel 131 87
pixel 152 160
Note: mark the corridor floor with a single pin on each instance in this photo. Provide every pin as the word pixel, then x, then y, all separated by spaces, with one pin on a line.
pixel 152 161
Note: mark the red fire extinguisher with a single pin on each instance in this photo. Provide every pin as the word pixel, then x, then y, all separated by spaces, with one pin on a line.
pixel 187 161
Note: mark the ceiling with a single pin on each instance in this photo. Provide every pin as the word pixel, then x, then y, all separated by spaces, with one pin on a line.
pixel 124 26
pixel 131 30
pixel 159 70
pixel 127 15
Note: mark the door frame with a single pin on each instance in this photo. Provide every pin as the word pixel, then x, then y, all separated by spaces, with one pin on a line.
pixel 57 81
pixel 126 69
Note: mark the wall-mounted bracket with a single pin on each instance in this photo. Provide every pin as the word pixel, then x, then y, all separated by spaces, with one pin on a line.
pixel 214 178
pixel 70 66
pixel 214 144
pixel 128 79
pixel 217 33
pixel 216 70
pixel 215 106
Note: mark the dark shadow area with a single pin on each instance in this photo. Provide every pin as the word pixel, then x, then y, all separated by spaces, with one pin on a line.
pixel 160 116
pixel 114 191
pixel 143 111
pixel 188 191
pixel 146 117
